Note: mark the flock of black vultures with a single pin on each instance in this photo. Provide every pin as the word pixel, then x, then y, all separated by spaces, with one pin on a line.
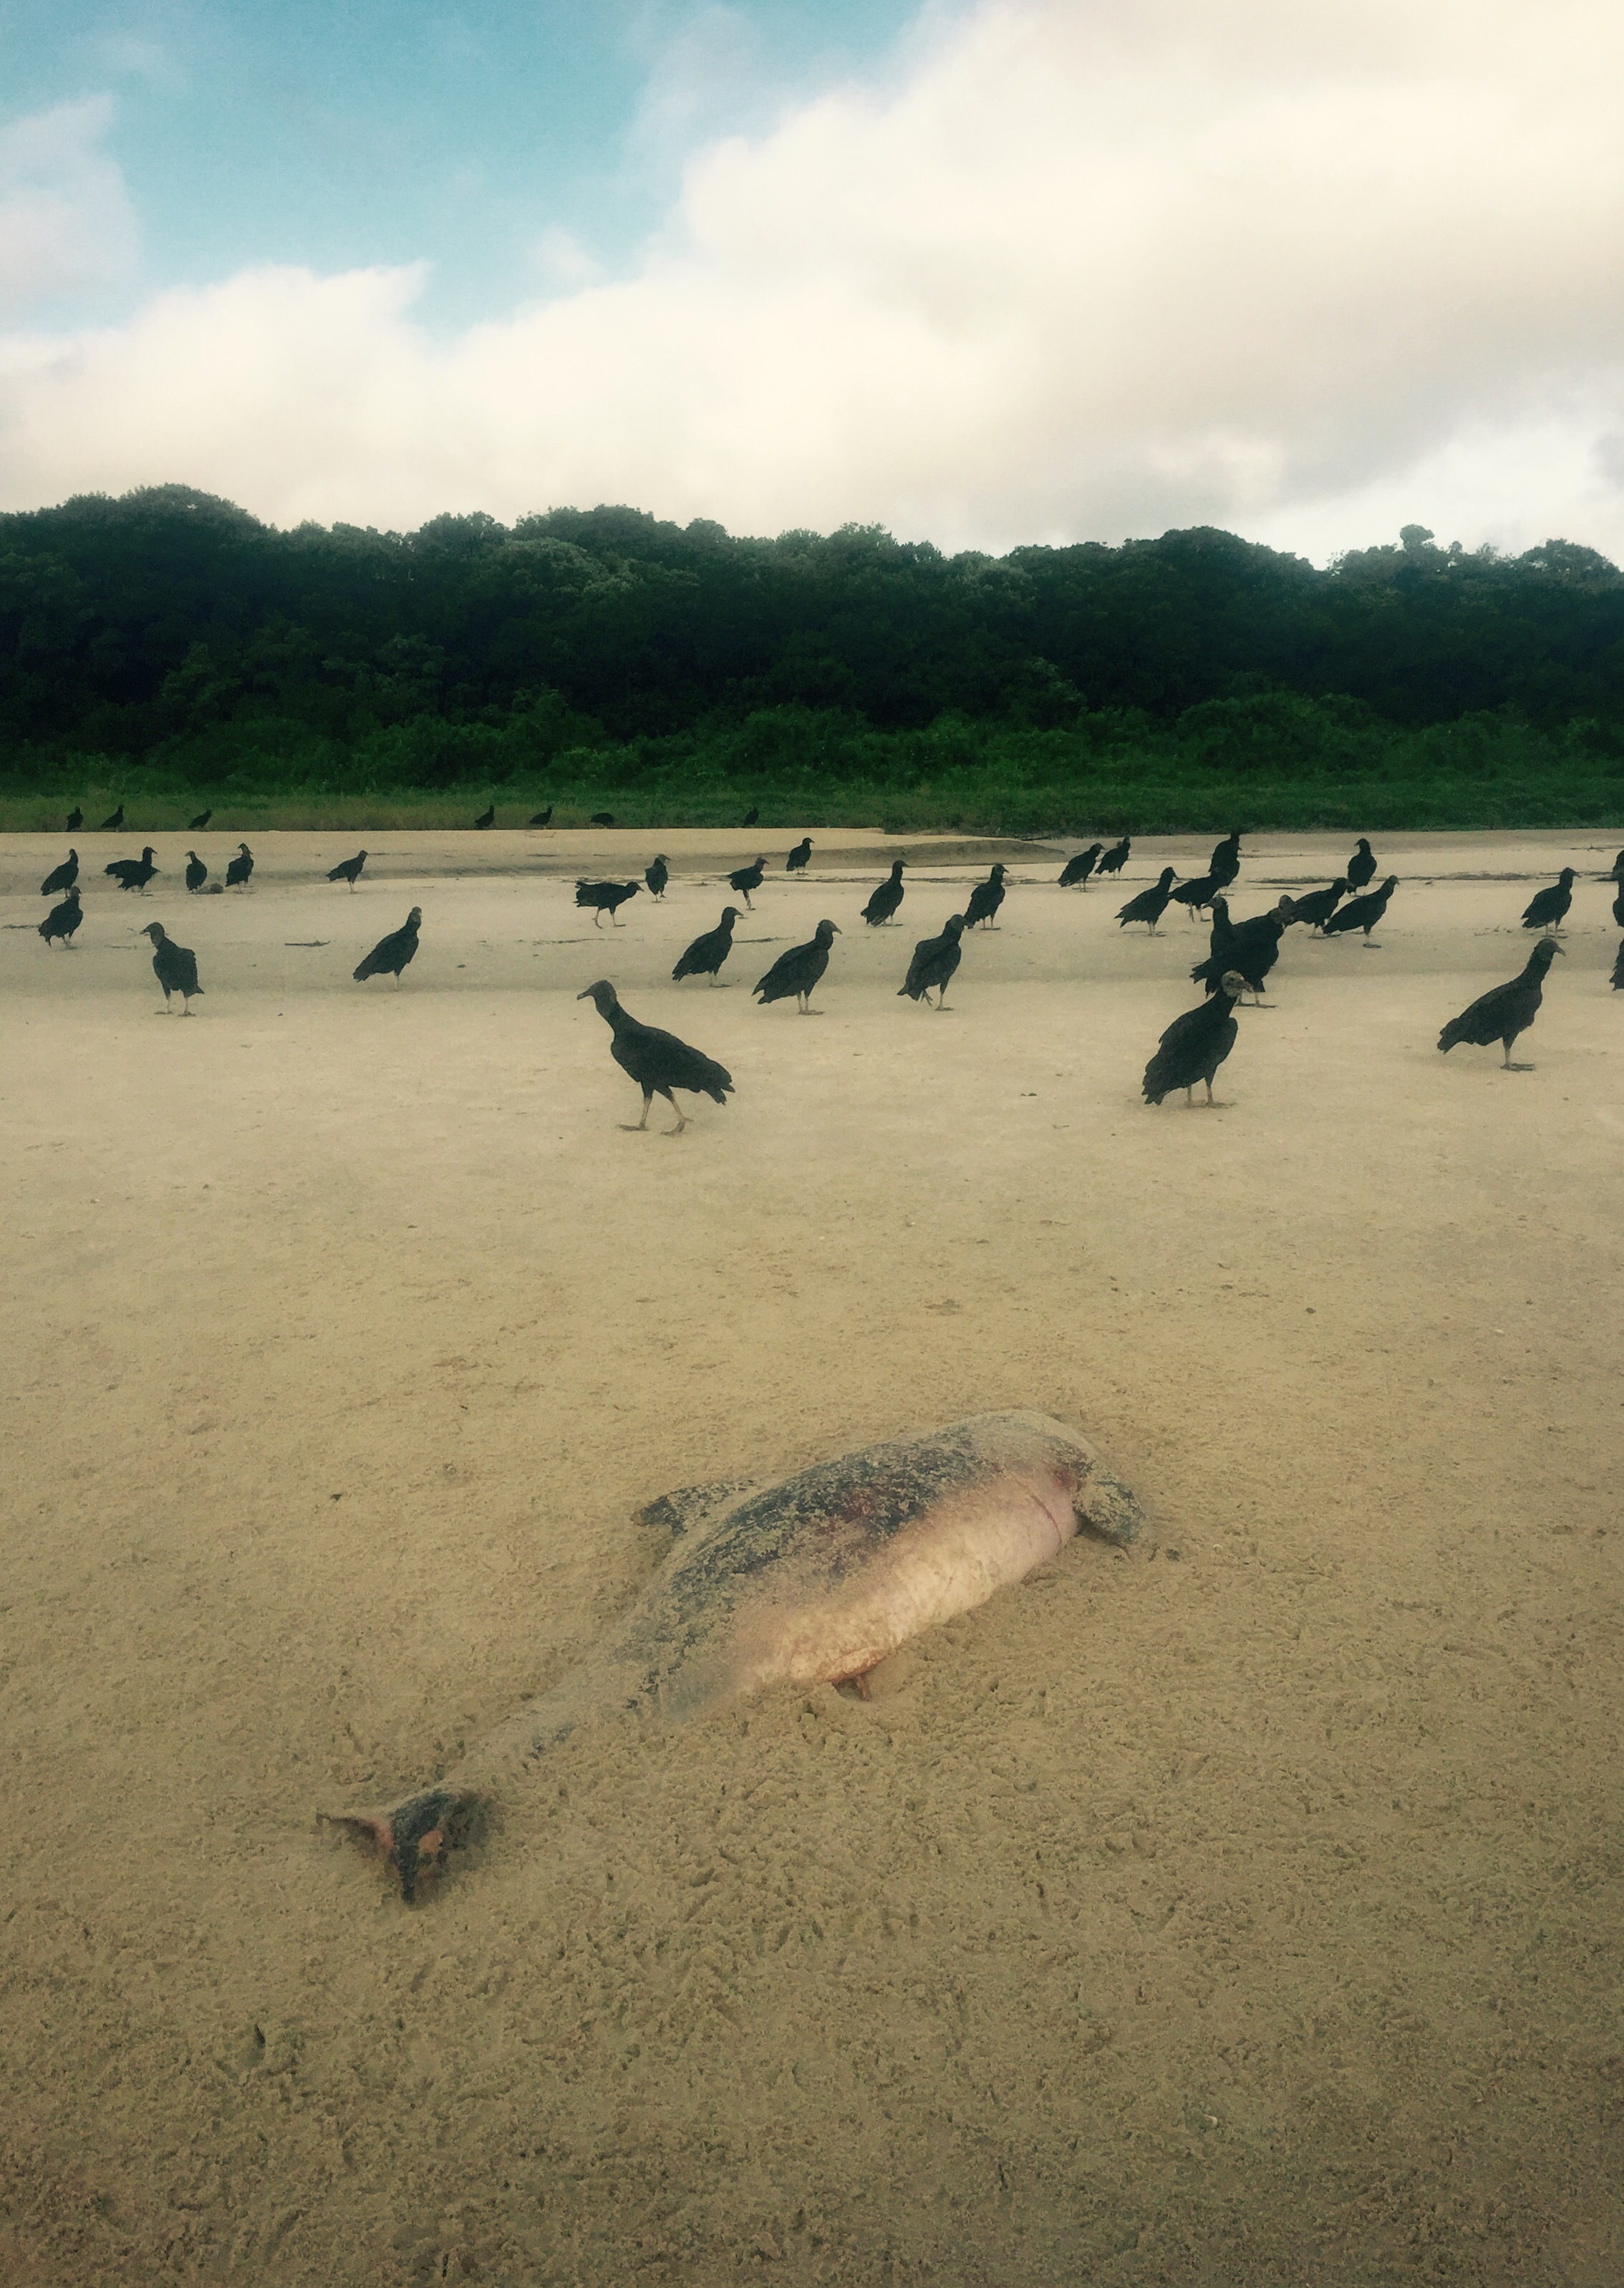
pixel 1239 956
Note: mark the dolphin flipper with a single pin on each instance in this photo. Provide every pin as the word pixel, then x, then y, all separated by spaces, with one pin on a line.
pixel 686 1506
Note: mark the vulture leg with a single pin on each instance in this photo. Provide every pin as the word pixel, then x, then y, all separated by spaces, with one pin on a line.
pixel 635 1127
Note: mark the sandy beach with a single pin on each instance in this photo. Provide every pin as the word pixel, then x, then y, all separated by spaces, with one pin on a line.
pixel 1244 1913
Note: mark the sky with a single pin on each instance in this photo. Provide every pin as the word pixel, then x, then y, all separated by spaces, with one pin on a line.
pixel 984 272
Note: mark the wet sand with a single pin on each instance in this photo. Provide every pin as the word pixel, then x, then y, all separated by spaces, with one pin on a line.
pixel 1248 1913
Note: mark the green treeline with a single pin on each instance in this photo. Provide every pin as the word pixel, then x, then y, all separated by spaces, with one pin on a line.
pixel 168 641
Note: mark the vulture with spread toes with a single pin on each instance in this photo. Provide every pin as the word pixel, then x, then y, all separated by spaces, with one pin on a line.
pixel 62 920
pixel 1507 1011
pixel 799 970
pixel 882 906
pixel 1361 913
pixel 704 957
pixel 1150 905
pixel 133 873
pixel 985 899
pixel 657 1061
pixel 61 878
pixel 1361 867
pixel 239 868
pixel 1116 857
pixel 935 959
pixel 390 955
pixel 800 857
pixel 348 869
pixel 1075 872
pixel 1195 1045
pixel 748 878
pixel 197 873
pixel 1548 909
pixel 175 967
pixel 657 876
pixel 604 898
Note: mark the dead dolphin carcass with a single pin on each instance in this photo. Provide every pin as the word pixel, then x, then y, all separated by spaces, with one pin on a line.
pixel 812 1581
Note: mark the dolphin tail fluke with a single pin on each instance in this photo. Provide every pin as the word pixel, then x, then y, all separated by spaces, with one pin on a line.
pixel 416 1836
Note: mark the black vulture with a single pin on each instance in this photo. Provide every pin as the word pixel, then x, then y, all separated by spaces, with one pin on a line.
pixel 604 897
pixel 748 878
pixel 133 873
pixel 197 824
pixel 1197 895
pixel 1361 913
pixel 657 876
pixel 1195 1045
pixel 1507 1011
pixel 348 869
pixel 1548 909
pixel 62 920
pixel 61 878
pixel 1223 929
pixel 1150 905
pixel 75 820
pixel 798 971
pixel 197 873
pixel 1226 859
pixel 1316 906
pixel 706 954
pixel 1618 907
pixel 1075 872
pixel 240 867
pixel 1616 869
pixel 390 954
pixel 602 818
pixel 985 899
pixel 1618 968
pixel 657 1061
pixel 1360 868
pixel 112 825
pixel 799 857
pixel 1251 947
pixel 1116 857
pixel 175 967
pixel 935 959
pixel 487 817
pixel 752 816
pixel 545 817
pixel 882 905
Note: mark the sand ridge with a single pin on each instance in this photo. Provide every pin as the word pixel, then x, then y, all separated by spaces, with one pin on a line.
pixel 1248 1913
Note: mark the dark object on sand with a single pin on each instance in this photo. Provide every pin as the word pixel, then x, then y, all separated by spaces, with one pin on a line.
pixel 1548 909
pixel 175 967
pixel 748 878
pixel 1361 867
pixel 1507 1011
pixel 935 959
pixel 657 876
pixel 1226 859
pixel 704 957
pixel 62 920
pixel 1318 906
pixel 133 873
pixel 1075 872
pixel 1195 896
pixel 390 954
pixel 1116 857
pixel 882 905
pixel 348 869
pixel 657 1061
pixel 1361 913
pixel 1150 905
pixel 1195 1045
pixel 64 876
pixel 604 898
pixel 799 970
pixel 197 873
pixel 985 899
pixel 799 857
pixel 239 868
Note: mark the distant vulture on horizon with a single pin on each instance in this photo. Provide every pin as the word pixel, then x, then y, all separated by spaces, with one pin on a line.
pixel 112 825
pixel 487 817
pixel 196 825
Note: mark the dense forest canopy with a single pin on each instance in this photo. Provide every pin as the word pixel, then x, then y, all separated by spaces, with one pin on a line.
pixel 168 623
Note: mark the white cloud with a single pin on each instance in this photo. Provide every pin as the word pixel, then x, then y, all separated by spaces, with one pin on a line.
pixel 1082 272
pixel 65 224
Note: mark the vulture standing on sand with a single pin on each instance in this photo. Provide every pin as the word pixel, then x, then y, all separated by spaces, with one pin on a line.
pixel 240 867
pixel 1251 947
pixel 487 817
pixel 197 873
pixel 1618 906
pixel 62 920
pixel 1318 906
pixel 657 876
pixel 800 857
pixel 1150 905
pixel 935 959
pixel 798 971
pixel 657 1061
pixel 545 817
pixel 748 878
pixel 1075 872
pixel 1615 872
pixel 133 873
pixel 1361 913
pixel 1361 867
pixel 175 967
pixel 114 824
pixel 196 825
pixel 604 897
pixel 75 820
pixel 1196 896
pixel 1507 1011
pixel 1195 1045
pixel 1618 968
pixel 985 899
pixel 61 878
pixel 348 869
pixel 704 957
pixel 1226 859
pixel 882 905
pixel 390 954
pixel 1116 857
pixel 1548 909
